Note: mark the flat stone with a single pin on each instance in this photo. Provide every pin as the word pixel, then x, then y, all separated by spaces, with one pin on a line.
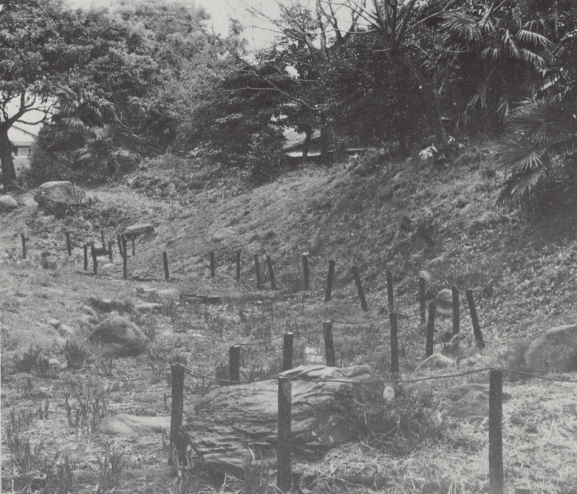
pixel 125 424
pixel 7 204
pixel 147 306
pixel 138 229
pixel 436 361
pixel 222 234
pixel 51 195
pixel 55 323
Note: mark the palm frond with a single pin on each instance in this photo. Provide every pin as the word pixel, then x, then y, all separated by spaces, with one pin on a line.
pixel 533 38
pixel 525 189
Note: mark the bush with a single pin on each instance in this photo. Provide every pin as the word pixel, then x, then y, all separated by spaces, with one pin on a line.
pixel 75 355
pixel 28 361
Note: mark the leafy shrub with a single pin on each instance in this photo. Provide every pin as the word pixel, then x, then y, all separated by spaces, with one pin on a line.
pixel 75 355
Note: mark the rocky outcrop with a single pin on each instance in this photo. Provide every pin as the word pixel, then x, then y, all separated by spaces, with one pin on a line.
pixel 7 204
pixel 234 422
pixel 122 336
pixel 556 350
pixel 52 196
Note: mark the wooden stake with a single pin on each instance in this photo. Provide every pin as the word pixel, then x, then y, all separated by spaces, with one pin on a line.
pixel 165 262
pixel 110 250
pixel 85 249
pixel 306 272
pixel 287 352
pixel 475 319
pixel 496 484
pixel 456 314
pixel 329 344
pixel 132 243
pixel 124 259
pixel 94 259
pixel 394 343
pixel 23 237
pixel 238 265
pixel 271 273
pixel 177 413
pixel 234 364
pixel 360 289
pixel 212 265
pixel 119 240
pixel 390 290
pixel 68 246
pixel 257 270
pixel 283 451
pixel 330 277
pixel 423 300
pixel 431 329
pixel 103 241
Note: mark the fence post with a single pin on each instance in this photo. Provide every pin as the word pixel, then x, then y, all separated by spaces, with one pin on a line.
pixel 430 329
pixel 234 364
pixel 329 344
pixel 331 275
pixel 423 300
pixel 390 290
pixel 394 343
pixel 102 238
pixel 132 244
pixel 283 448
pixel 257 270
pixel 475 319
pixel 287 352
pixel 68 246
pixel 360 289
pixel 23 237
pixel 212 265
pixel 119 240
pixel 271 273
pixel 177 412
pixel 110 250
pixel 238 265
pixel 124 259
pixel 165 262
pixel 85 249
pixel 94 259
pixel 456 310
pixel 306 272
pixel 495 432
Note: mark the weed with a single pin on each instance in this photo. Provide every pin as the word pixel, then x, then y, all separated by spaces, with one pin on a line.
pixel 28 361
pixel 25 459
pixel 91 408
pixel 20 421
pixel 110 469
pixel 257 476
pixel 75 355
pixel 59 477
pixel 169 308
pixel 158 370
pixel 258 372
pixel 201 386
pixel 105 367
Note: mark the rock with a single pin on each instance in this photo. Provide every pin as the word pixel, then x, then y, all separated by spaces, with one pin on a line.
pixel 428 154
pixel 232 423
pixel 66 331
pixel 55 323
pixel 7 204
pixel 53 195
pixel 147 306
pixel 86 321
pixel 123 336
pixel 222 234
pixel 108 305
pixel 556 350
pixel 470 401
pixel 436 361
pixel 88 310
pixel 106 268
pixel 170 190
pixel 123 424
pixel 138 229
pixel 165 295
pixel 444 302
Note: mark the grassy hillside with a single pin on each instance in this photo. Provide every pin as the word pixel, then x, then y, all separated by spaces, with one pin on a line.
pixel 375 212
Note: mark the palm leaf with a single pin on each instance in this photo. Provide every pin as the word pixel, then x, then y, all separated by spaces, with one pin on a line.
pixel 525 189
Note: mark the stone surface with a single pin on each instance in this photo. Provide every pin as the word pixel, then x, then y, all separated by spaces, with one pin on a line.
pixel 233 422
pixel 165 295
pixel 466 401
pixel 222 234
pixel 436 361
pixel 51 195
pixel 65 331
pixel 7 204
pixel 124 424
pixel 556 350
pixel 124 336
pixel 55 323
pixel 138 229
pixel 108 305
pixel 147 306
pixel 444 302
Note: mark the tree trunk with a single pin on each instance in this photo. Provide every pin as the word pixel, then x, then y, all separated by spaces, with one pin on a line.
pixel 326 141
pixel 8 171
pixel 307 143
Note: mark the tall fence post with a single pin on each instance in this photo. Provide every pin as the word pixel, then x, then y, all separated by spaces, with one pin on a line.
pixel 85 249
pixel 133 245
pixel 165 263
pixel 364 305
pixel 119 240
pixel 68 246
pixel 496 483
pixel 430 329
pixel 212 265
pixel 110 250
pixel 330 277
pixel 287 352
pixel 238 265
pixel 124 259
pixel 390 291
pixel 306 272
pixel 423 300
pixel 23 238
pixel 456 310
pixel 271 272
pixel 394 343
pixel 103 240
pixel 234 364
pixel 177 372
pixel 329 344
pixel 257 271
pixel 475 319
pixel 283 447
pixel 94 259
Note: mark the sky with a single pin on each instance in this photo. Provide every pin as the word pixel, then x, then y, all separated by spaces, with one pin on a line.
pixel 258 33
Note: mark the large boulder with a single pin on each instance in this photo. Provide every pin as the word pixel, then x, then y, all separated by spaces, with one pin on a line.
pixel 234 422
pixel 138 229
pixel 556 350
pixel 55 195
pixel 7 204
pixel 121 335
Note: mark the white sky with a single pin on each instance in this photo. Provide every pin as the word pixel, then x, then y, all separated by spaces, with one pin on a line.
pixel 257 32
